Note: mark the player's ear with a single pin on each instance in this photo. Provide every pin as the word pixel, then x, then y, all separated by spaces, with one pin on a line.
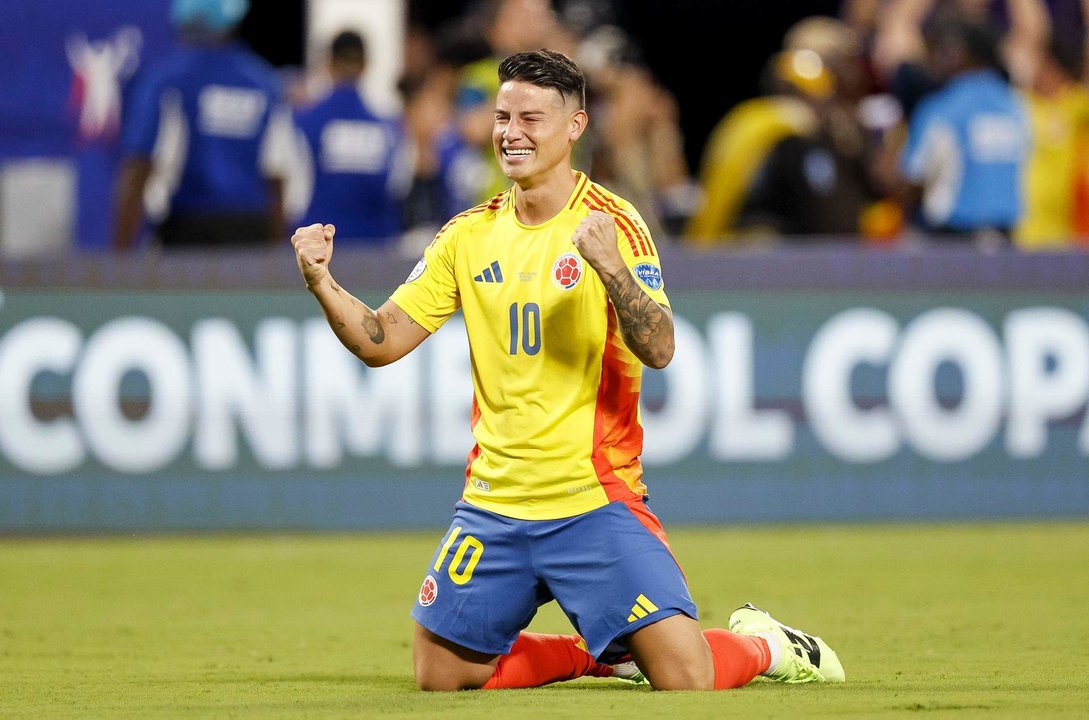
pixel 577 124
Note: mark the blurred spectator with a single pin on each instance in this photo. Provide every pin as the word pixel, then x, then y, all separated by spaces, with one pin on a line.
pixel 796 160
pixel 470 144
pixel 511 26
pixel 899 55
pixel 446 171
pixel 635 140
pixel 735 152
pixel 966 142
pixel 359 162
pixel 863 16
pixel 493 29
pixel 817 183
pixel 209 121
pixel 1047 66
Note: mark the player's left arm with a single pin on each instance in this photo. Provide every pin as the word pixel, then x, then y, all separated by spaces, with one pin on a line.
pixel 646 324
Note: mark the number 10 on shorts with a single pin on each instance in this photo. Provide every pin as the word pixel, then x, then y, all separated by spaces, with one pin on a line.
pixel 469 546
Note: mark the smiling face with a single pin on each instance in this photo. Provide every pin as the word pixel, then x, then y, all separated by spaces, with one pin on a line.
pixel 535 128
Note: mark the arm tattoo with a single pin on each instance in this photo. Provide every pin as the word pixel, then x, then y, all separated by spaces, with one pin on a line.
pixel 373 328
pixel 391 319
pixel 641 318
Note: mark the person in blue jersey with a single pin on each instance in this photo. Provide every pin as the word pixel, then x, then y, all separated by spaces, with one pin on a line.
pixel 967 142
pixel 360 168
pixel 207 130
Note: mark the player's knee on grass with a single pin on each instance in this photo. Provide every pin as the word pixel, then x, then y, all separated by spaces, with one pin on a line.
pixel 443 675
pixel 682 676
pixel 440 665
pixel 431 679
pixel 673 654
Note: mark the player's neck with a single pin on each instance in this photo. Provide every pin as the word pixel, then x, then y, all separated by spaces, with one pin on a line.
pixel 537 203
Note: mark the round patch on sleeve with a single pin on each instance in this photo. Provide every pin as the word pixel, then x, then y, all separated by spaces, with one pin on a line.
pixel 648 274
pixel 417 271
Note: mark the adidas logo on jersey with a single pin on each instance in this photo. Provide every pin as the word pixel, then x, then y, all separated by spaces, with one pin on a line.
pixel 492 273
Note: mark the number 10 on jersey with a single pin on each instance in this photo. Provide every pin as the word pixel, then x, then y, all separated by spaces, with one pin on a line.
pixel 525 328
pixel 469 546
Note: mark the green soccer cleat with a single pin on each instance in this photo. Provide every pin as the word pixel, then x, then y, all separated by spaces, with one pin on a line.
pixel 629 672
pixel 805 658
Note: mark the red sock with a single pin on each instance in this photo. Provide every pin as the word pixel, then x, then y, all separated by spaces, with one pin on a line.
pixel 738 658
pixel 538 659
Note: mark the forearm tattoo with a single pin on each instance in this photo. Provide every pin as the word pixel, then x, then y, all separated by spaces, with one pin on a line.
pixel 373 328
pixel 370 322
pixel 337 320
pixel 642 320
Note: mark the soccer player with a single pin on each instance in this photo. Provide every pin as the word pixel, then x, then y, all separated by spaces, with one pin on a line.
pixel 562 294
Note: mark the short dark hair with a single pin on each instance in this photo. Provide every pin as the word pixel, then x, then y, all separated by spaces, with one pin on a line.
pixel 349 46
pixel 547 69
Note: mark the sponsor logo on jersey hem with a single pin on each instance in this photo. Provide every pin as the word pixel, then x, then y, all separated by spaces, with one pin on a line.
pixel 492 273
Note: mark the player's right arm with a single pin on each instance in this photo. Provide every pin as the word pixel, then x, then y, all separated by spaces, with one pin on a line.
pixel 375 337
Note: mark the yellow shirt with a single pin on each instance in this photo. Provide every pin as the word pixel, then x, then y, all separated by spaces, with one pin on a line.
pixel 1056 166
pixel 736 151
pixel 556 390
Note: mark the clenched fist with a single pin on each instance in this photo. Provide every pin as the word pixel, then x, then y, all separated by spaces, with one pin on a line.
pixel 313 251
pixel 595 239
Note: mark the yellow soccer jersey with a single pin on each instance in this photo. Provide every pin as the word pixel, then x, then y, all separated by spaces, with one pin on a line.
pixel 1055 169
pixel 556 390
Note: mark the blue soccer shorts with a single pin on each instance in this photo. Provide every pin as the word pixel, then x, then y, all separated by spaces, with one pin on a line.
pixel 610 570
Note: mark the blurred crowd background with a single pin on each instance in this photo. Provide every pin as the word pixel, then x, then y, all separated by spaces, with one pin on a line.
pixel 883 122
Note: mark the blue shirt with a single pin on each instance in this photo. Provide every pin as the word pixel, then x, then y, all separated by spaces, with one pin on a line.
pixel 966 146
pixel 464 172
pixel 216 108
pixel 359 168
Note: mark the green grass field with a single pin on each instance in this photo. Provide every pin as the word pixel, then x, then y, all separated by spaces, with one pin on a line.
pixel 963 621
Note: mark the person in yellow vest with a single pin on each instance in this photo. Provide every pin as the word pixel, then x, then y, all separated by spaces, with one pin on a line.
pixel 735 152
pixel 814 86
